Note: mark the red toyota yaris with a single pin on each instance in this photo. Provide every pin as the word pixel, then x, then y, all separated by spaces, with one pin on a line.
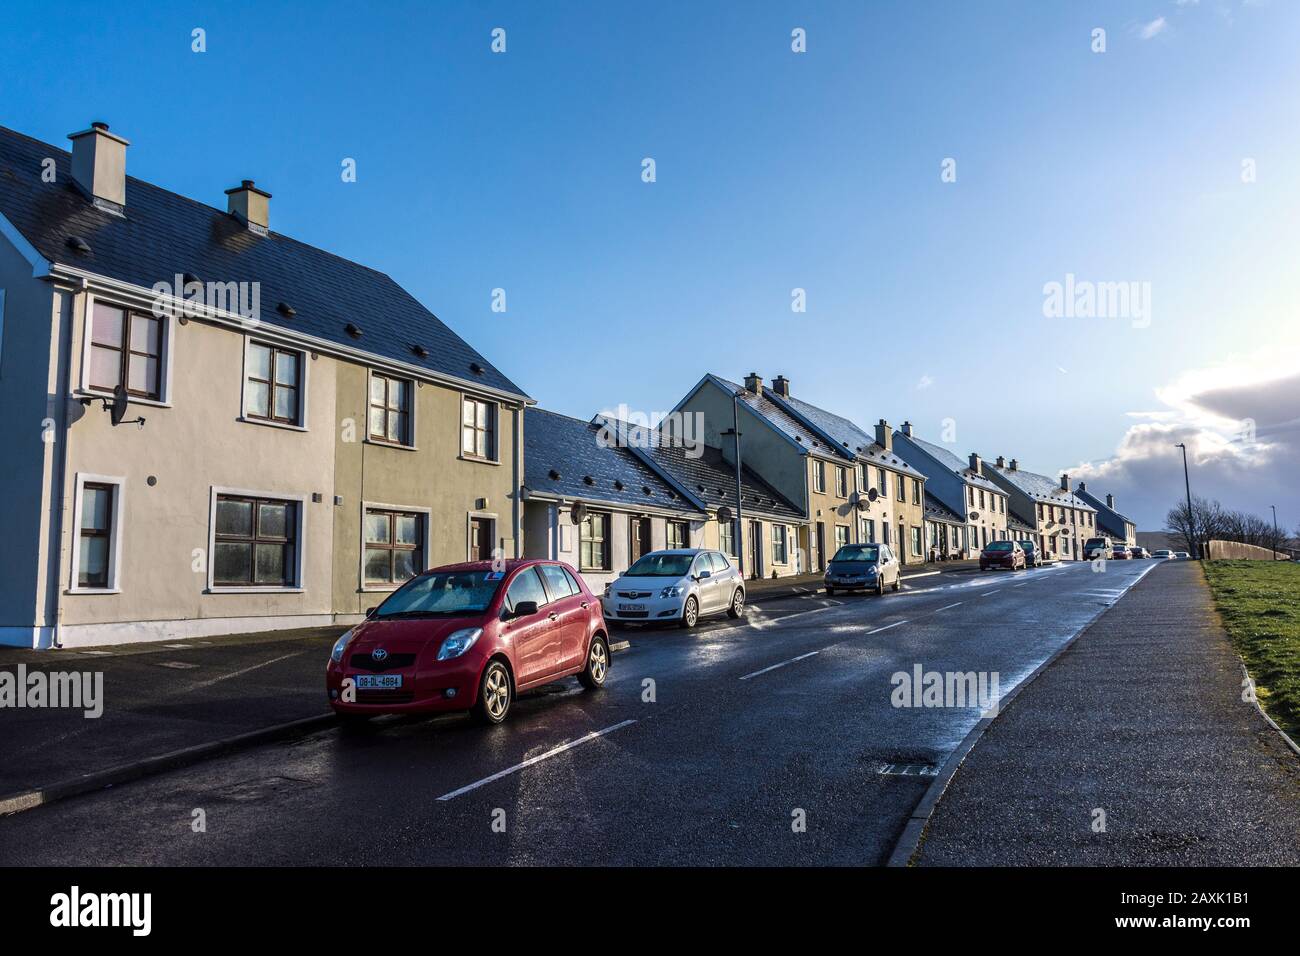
pixel 470 637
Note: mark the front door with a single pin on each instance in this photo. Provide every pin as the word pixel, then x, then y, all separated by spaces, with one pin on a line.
pixel 755 549
pixel 819 559
pixel 640 543
pixel 902 543
pixel 480 539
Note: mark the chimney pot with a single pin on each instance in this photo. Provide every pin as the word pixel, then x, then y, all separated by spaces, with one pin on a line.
pixel 781 385
pixel 907 429
pixel 754 382
pixel 1013 465
pixel 884 436
pixel 99 166
pixel 975 464
pixel 1002 462
pixel 1065 482
pixel 1110 502
pixel 251 205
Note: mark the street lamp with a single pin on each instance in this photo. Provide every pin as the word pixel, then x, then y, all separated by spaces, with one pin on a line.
pixel 734 431
pixel 1191 520
pixel 1276 537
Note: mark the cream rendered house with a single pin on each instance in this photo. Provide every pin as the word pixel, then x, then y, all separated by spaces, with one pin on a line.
pixel 311 434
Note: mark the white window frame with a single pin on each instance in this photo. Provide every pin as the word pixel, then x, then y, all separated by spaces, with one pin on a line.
pixel 304 360
pixel 426 521
pixel 300 552
pixel 115 537
pixel 410 412
pixel 167 323
pixel 495 458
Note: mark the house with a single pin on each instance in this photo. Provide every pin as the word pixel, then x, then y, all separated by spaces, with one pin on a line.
pixel 1061 521
pixel 298 434
pixel 596 504
pixel 961 486
pixel 821 462
pixel 946 532
pixel 1109 521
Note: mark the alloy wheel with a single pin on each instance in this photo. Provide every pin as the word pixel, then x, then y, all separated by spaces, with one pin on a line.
pixel 598 661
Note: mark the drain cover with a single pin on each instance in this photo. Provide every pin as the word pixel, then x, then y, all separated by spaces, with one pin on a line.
pixel 908 770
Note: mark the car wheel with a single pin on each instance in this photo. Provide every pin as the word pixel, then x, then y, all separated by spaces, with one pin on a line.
pixel 494 694
pixel 737 608
pixel 690 612
pixel 880 585
pixel 830 592
pixel 597 669
pixel 898 581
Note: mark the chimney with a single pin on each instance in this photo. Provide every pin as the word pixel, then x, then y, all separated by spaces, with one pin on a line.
pixel 907 429
pixel 1013 465
pixel 1065 482
pixel 754 383
pixel 251 205
pixel 1083 486
pixel 1110 502
pixel 781 385
pixel 99 166
pixel 1002 462
pixel 976 464
pixel 884 437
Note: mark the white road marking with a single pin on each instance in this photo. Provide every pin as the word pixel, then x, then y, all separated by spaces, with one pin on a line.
pixel 923 574
pixel 782 664
pixel 887 627
pixel 945 607
pixel 987 593
pixel 554 751
pixel 217 680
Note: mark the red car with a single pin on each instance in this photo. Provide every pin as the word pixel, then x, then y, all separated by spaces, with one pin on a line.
pixel 470 637
pixel 1120 553
pixel 1002 554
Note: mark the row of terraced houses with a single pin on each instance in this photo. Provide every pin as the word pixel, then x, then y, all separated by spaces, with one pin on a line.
pixel 211 427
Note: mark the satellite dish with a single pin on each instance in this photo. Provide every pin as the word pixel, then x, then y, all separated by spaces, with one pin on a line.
pixel 578 512
pixel 119 406
pixel 860 502
pixel 724 514
pixel 974 516
pixel 872 494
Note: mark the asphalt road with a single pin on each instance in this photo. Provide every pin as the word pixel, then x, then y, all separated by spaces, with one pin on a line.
pixel 752 729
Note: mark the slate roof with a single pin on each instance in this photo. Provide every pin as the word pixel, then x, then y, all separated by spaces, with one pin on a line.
pixel 571 447
pixel 936 510
pixel 954 464
pixel 1020 527
pixel 712 480
pixel 763 405
pixel 164 234
pixel 1107 517
pixel 1041 488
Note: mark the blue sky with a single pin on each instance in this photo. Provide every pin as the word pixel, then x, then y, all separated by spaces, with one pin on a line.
pixel 775 170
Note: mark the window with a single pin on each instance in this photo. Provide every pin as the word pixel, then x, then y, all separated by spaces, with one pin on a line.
pixel 727 536
pixel 779 553
pixel 98 514
pixel 862 477
pixel 255 542
pixel 272 383
pixel 884 483
pixel 841 482
pixel 394 546
pixel 558 583
pixel 390 410
pixel 916 541
pixel 593 542
pixel 868 530
pixel 902 489
pixel 720 562
pixel 125 349
pixel 981 499
pixel 526 586
pixel 819 476
pixel 916 491
pixel 841 536
pixel 478 430
pixel 1002 505
pixel 677 534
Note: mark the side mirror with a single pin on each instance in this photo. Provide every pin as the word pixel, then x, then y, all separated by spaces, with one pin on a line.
pixel 703 574
pixel 370 611
pixel 525 608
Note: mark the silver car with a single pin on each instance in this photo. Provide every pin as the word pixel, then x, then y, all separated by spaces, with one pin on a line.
pixel 681 586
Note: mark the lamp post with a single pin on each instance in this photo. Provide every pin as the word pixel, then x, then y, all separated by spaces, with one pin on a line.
pixel 1276 538
pixel 734 432
pixel 1191 519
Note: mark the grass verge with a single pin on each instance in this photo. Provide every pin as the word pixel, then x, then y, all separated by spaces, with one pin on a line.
pixel 1259 602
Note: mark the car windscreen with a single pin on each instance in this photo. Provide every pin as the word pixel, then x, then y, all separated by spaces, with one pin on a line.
pixel 661 566
pixel 1096 543
pixel 857 552
pixel 1027 545
pixel 443 594
pixel 998 546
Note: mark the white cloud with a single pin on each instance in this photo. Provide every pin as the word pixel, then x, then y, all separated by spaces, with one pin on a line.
pixel 1241 425
pixel 1156 26
pixel 925 382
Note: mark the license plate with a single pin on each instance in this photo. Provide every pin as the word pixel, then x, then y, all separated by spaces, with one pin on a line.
pixel 379 681
pixel 631 607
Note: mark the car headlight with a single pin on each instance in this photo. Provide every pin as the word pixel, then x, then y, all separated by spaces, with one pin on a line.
pixel 870 571
pixel 672 591
pixel 341 645
pixel 458 642
pixel 607 587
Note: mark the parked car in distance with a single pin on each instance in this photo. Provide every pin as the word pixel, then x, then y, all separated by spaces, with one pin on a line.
pixel 1119 553
pixel 1097 548
pixel 1033 557
pixel 1162 553
pixel 1002 554
pixel 469 637
pixel 1182 555
pixel 866 567
pixel 680 586
pixel 1138 551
